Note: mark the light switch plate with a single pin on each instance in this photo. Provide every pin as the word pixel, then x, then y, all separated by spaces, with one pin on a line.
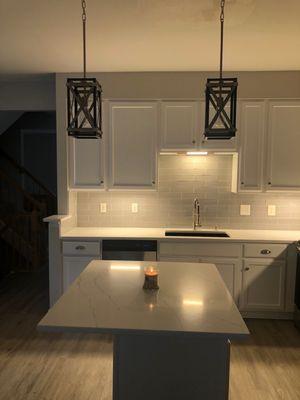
pixel 271 210
pixel 134 207
pixel 245 209
pixel 103 207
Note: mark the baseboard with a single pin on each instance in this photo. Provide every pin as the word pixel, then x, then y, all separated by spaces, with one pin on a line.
pixel 268 315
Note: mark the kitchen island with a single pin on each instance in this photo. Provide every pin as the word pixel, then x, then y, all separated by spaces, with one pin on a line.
pixel 173 343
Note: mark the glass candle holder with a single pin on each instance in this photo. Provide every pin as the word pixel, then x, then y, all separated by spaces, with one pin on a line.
pixel 151 278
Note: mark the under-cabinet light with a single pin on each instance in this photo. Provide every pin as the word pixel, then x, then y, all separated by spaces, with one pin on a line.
pixel 196 153
pixel 169 153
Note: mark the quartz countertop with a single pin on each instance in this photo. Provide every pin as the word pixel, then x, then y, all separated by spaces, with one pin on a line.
pixel 238 235
pixel 108 297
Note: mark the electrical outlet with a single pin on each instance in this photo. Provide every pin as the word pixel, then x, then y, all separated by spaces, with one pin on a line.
pixel 245 209
pixel 271 210
pixel 103 207
pixel 134 207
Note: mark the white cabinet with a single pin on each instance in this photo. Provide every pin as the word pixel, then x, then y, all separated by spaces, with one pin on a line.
pixel 179 127
pixel 86 163
pixel 72 268
pixel 229 269
pixel 263 285
pixel 283 164
pixel 76 256
pixel 252 146
pixel 133 145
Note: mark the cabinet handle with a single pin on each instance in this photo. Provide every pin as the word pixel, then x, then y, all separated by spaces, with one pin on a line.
pixel 247 269
pixel 265 251
pixel 79 247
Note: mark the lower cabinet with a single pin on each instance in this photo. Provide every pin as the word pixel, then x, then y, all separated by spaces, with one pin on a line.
pixel 230 270
pixel 263 285
pixel 72 268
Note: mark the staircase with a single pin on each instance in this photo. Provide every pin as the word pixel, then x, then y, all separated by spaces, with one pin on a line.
pixel 23 234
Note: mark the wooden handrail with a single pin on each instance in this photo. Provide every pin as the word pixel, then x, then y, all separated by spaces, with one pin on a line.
pixel 37 204
pixel 24 171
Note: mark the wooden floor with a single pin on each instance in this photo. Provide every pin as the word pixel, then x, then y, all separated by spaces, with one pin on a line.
pixel 39 366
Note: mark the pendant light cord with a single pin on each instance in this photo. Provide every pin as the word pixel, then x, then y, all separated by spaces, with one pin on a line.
pixel 83 4
pixel 222 36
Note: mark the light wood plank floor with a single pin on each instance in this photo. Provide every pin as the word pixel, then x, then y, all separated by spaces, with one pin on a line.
pixel 39 366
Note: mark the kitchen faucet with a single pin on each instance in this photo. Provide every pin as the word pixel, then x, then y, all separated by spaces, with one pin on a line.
pixel 196 214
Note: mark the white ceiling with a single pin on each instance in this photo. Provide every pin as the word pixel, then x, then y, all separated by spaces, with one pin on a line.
pixel 39 36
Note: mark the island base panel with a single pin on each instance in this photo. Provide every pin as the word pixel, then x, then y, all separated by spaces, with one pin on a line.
pixel 170 367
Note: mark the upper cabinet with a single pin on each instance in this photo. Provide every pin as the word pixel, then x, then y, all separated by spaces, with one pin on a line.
pixel 179 127
pixel 182 126
pixel 283 161
pixel 86 163
pixel 133 145
pixel 252 142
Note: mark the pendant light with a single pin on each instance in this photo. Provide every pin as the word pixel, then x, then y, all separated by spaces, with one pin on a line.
pixel 221 99
pixel 84 100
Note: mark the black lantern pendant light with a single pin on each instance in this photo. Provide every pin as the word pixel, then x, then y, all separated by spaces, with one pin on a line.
pixel 221 98
pixel 84 100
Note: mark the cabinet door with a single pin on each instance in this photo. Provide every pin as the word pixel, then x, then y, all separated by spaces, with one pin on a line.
pixel 263 285
pixel 252 142
pixel 230 270
pixel 283 146
pixel 86 162
pixel 133 141
pixel 72 268
pixel 179 122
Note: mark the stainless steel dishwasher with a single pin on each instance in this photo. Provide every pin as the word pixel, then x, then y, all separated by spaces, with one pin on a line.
pixel 133 250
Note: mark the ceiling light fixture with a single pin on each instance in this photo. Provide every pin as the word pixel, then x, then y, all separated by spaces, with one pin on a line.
pixel 221 99
pixel 84 99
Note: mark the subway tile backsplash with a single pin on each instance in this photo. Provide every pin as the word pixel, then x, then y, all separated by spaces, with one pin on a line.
pixel 180 179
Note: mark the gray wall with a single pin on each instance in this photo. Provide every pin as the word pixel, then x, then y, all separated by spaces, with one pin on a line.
pixel 181 179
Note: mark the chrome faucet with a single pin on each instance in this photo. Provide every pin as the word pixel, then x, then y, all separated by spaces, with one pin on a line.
pixel 196 214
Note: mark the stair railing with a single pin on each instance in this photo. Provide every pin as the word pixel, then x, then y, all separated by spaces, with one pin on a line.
pixel 35 186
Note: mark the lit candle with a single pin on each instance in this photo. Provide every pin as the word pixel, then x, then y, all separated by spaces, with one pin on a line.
pixel 151 278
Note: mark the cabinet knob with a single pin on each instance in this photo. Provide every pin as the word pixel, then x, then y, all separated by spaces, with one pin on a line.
pixel 153 182
pixel 242 183
pixel 265 251
pixel 269 183
pixel 247 269
pixel 194 141
pixel 79 247
pixel 101 182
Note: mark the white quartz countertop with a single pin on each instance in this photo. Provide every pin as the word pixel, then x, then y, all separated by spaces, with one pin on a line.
pixel 108 297
pixel 238 235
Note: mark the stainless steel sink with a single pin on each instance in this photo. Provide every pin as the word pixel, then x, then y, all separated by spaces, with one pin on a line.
pixel 197 233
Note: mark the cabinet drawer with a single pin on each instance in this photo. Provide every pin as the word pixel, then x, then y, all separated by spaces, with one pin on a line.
pixel 215 249
pixel 266 250
pixel 81 248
